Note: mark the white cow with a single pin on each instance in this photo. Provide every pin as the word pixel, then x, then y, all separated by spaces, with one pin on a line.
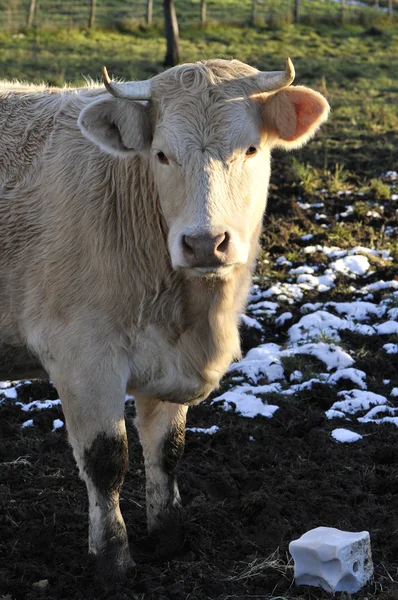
pixel 129 226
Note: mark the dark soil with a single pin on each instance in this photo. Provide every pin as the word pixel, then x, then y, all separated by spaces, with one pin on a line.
pixel 248 491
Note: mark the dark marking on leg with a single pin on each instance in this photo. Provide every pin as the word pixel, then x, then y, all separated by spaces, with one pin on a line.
pixel 106 462
pixel 168 530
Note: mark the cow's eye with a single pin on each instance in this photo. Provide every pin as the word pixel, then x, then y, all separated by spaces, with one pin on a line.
pixel 162 158
pixel 251 151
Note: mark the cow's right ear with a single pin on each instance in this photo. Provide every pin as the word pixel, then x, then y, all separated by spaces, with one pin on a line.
pixel 119 127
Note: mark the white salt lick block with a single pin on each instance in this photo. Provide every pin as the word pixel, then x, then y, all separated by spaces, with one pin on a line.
pixel 336 561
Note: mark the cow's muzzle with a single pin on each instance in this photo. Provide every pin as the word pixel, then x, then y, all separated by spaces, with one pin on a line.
pixel 204 250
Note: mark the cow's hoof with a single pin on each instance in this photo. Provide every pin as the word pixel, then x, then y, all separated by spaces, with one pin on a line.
pixel 114 565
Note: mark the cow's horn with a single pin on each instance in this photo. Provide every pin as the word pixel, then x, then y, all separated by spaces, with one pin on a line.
pixel 133 90
pixel 266 81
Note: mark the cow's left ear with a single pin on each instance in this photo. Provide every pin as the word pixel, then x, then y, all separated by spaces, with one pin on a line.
pixel 292 116
pixel 119 127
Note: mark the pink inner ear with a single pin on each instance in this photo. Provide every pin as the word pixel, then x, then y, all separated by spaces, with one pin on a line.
pixel 308 109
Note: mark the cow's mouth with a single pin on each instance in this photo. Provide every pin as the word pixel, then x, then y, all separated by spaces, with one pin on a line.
pixel 220 270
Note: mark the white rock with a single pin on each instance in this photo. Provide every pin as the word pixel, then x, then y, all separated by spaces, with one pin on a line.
pixel 336 561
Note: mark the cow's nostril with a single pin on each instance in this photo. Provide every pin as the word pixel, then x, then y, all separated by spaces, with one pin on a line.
pixel 223 244
pixel 188 244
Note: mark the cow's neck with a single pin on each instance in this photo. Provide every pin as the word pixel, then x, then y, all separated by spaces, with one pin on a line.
pixel 212 310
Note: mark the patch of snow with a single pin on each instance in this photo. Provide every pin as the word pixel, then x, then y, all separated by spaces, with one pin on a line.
pixel 28 423
pixel 345 435
pixel 263 361
pixel 250 322
pixel 330 252
pixel 10 393
pixel 391 348
pixel 38 404
pixel 334 414
pixel 307 236
pixel 301 270
pixel 379 285
pixel 310 307
pixel 355 375
pixel 245 403
pixel 5 384
pixel 351 265
pixel 281 320
pixel 391 175
pixel 282 261
pixel 296 376
pixel 394 391
pixel 264 306
pixel 387 328
pixel 305 385
pixel 349 210
pixel 287 292
pixel 386 254
pixel 322 323
pixel 357 400
pixel 322 282
pixel 357 311
pixel 370 417
pixel 209 430
pixel 57 424
pixel 393 313
pixel 331 355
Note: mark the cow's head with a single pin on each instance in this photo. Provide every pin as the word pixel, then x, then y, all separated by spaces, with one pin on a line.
pixel 208 129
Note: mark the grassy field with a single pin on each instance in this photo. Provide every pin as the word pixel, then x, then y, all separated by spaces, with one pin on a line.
pixel 118 14
pixel 257 483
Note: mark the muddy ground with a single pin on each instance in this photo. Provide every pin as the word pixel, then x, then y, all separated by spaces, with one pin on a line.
pixel 245 500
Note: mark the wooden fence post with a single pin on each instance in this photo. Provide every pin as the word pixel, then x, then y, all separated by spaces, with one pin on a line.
pixel 253 13
pixel 390 9
pixel 31 16
pixel 171 28
pixel 91 22
pixel 203 12
pixel 149 10
pixel 342 14
pixel 297 11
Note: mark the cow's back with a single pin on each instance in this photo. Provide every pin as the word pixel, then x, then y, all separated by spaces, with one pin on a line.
pixel 27 120
pixel 28 117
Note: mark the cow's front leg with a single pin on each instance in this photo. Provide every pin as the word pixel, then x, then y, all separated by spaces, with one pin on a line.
pixel 94 413
pixel 161 427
